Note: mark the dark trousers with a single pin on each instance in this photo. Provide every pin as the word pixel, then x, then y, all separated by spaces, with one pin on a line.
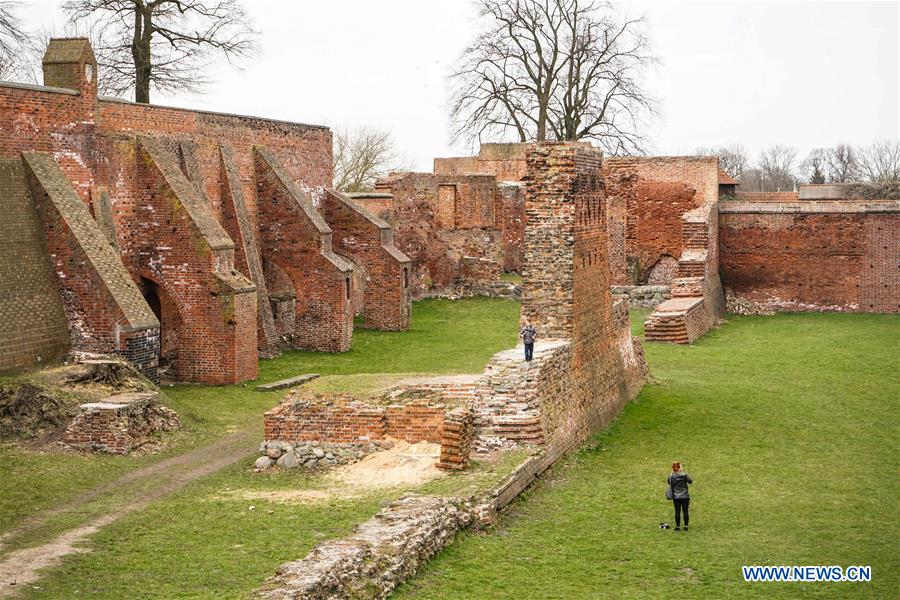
pixel 681 506
pixel 529 351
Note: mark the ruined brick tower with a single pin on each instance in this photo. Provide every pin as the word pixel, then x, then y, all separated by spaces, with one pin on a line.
pixel 187 237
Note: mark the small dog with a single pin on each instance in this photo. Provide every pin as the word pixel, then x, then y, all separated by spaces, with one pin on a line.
pixel 663 525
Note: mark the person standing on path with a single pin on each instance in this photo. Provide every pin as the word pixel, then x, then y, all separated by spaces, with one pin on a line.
pixel 678 492
pixel 528 335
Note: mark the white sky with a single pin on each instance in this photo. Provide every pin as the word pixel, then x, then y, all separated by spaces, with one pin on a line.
pixel 807 74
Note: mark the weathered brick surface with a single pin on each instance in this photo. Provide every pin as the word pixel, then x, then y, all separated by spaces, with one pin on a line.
pixel 33 326
pixel 119 423
pixel 655 192
pixel 506 162
pixel 457 436
pixel 566 276
pixel 104 307
pixel 384 270
pixel 298 240
pixel 438 220
pixel 510 213
pixel 206 164
pixel 813 256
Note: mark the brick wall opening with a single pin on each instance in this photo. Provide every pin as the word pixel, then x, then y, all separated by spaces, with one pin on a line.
pixel 170 324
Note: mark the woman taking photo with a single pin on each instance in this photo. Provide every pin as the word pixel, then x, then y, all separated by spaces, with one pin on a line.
pixel 678 493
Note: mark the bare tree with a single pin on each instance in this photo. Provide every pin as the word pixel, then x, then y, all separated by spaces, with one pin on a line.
pixel 165 44
pixel 840 163
pixel 13 40
pixel 733 159
pixel 361 156
pixel 813 166
pixel 776 166
pixel 880 162
pixel 553 70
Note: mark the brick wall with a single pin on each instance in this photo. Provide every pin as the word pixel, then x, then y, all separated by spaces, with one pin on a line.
pixel 437 220
pixel 33 328
pixel 655 192
pixel 205 163
pixel 297 239
pixel 585 382
pixel 815 256
pixel 368 241
pixel 510 213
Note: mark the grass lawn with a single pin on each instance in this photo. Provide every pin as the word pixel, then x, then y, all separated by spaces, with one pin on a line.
pixel 445 337
pixel 204 541
pixel 788 425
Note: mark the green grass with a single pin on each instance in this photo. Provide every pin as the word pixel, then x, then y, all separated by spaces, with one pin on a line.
pixel 446 336
pixel 511 278
pixel 173 546
pixel 788 425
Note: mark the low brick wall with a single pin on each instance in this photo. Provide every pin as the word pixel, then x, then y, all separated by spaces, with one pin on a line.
pixel 120 423
pixel 346 428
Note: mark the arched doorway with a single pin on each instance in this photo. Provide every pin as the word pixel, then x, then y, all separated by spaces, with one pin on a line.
pixel 170 324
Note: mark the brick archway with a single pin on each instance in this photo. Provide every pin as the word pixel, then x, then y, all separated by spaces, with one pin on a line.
pixel 171 325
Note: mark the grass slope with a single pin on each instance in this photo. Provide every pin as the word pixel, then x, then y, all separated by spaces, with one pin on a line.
pixel 445 337
pixel 788 425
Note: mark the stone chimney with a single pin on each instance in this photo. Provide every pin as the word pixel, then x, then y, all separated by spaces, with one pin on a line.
pixel 70 63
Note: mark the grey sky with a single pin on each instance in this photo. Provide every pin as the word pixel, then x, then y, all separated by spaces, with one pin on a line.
pixel 807 74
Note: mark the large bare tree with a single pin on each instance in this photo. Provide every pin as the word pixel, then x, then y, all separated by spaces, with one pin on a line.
pixel 553 70
pixel 880 162
pixel 774 169
pixel 162 44
pixel 13 41
pixel 361 156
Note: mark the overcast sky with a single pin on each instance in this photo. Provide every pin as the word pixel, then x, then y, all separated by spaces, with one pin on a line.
pixel 808 74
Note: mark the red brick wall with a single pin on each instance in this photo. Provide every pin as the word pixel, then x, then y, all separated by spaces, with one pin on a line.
pixel 656 192
pixel 342 419
pixel 436 229
pixel 510 213
pixel 566 294
pixel 368 241
pixel 835 255
pixel 297 239
pixel 94 143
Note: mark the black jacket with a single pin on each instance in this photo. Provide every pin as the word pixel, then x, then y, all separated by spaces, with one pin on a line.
pixel 679 482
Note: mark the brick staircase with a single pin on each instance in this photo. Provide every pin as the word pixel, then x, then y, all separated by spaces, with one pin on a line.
pixel 508 406
pixel 683 318
pixel 671 321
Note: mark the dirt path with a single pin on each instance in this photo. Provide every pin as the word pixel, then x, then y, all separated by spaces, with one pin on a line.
pixel 22 567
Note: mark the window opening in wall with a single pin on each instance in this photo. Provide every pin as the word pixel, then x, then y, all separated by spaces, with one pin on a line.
pixel 347 286
pixel 405 278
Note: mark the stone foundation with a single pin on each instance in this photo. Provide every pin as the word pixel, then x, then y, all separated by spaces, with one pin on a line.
pixel 643 296
pixel 379 555
pixel 120 423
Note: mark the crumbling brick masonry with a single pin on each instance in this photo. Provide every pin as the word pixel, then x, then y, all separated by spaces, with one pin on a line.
pixel 167 229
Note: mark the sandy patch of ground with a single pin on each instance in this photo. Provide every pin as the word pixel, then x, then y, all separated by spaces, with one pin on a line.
pixel 403 465
pixel 289 496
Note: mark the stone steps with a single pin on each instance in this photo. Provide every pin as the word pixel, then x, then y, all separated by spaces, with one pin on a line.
pixel 695 235
pixel 687 287
pixel 671 321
